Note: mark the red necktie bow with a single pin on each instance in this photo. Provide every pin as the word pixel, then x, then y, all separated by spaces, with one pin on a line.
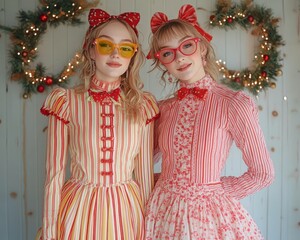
pixel 98 16
pixel 198 92
pixel 186 13
pixel 100 96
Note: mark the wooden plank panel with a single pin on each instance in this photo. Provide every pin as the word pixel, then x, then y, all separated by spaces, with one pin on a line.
pixel 128 5
pixel 291 161
pixel 274 97
pixel 32 181
pixel 290 186
pixel 15 218
pixel 29 142
pixel 144 8
pixel 3 126
pixel 113 7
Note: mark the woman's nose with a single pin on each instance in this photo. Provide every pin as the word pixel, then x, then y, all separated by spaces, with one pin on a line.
pixel 179 56
pixel 115 52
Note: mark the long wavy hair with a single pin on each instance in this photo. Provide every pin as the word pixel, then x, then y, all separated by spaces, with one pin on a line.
pixel 179 28
pixel 131 83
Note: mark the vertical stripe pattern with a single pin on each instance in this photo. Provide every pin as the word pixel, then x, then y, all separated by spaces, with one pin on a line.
pixel 111 168
pixel 191 200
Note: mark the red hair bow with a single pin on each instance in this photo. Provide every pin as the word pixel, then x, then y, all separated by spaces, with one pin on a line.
pixel 186 13
pixel 98 16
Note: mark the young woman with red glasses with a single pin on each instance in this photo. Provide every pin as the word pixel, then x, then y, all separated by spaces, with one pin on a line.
pixel 106 125
pixel 197 127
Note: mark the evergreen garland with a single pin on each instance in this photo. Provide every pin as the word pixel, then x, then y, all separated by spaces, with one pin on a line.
pixel 26 36
pixel 266 63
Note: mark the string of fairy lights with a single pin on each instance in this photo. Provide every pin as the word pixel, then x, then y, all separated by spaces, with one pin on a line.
pixel 25 38
pixel 266 63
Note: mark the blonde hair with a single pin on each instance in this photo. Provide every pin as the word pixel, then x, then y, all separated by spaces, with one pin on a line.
pixel 131 83
pixel 177 28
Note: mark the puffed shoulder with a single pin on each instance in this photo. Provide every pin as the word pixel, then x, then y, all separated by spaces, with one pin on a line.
pixel 151 109
pixel 56 104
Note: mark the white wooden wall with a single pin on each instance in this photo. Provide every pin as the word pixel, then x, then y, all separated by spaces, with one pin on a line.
pixel 23 129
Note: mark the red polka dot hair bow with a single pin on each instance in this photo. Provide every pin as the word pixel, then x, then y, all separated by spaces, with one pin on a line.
pixel 186 13
pixel 98 16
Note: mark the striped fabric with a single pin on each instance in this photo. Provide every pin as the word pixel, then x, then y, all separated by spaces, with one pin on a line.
pixel 111 168
pixel 191 200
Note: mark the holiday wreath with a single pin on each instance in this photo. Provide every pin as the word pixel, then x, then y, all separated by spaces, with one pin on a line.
pixel 26 36
pixel 267 59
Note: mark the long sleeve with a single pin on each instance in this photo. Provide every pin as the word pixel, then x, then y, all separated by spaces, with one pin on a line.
pixel 248 136
pixel 144 163
pixel 144 160
pixel 57 144
pixel 55 175
pixel 157 153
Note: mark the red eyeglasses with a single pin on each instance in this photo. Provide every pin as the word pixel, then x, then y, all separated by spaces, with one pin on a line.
pixel 187 48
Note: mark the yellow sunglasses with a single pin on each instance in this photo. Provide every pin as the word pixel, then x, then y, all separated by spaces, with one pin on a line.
pixel 106 47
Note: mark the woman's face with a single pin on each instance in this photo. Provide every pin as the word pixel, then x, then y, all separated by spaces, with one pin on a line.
pixel 185 67
pixel 109 67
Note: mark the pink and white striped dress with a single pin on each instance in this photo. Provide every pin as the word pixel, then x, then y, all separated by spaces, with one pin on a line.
pixel 110 162
pixel 191 200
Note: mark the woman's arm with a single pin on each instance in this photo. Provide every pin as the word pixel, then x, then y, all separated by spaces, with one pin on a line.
pixel 144 163
pixel 248 136
pixel 55 174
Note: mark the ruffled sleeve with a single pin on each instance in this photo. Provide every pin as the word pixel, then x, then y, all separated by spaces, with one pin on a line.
pixel 56 104
pixel 57 108
pixel 151 109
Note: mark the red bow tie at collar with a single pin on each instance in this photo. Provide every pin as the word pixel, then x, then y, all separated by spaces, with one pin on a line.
pixel 198 92
pixel 100 96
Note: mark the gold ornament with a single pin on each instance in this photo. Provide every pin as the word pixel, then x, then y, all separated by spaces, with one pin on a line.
pixel 278 73
pixel 25 96
pixel 272 85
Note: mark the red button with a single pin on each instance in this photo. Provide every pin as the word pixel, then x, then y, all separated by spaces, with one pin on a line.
pixel 106 160
pixel 103 173
pixel 107 138
pixel 107 149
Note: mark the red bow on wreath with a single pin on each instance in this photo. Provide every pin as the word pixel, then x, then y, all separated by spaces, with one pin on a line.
pixel 186 13
pixel 98 16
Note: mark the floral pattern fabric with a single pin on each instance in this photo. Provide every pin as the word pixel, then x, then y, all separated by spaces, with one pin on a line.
pixel 191 199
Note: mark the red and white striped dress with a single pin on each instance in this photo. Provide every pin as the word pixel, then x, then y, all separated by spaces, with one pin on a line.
pixel 191 200
pixel 110 163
